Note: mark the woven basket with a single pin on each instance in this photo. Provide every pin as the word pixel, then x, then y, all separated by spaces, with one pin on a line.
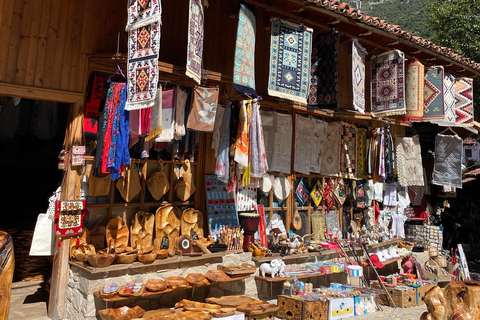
pixel 433 252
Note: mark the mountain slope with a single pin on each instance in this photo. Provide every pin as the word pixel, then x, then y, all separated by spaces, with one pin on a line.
pixel 408 14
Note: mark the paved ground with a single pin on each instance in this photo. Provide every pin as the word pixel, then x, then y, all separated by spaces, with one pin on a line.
pixel 394 314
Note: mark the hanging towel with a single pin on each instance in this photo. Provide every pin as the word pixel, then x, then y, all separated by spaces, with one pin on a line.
pixel 156 117
pixel 258 156
pixel 180 102
pixel 241 148
pixel 168 116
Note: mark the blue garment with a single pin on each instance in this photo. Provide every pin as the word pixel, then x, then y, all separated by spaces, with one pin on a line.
pixel 120 135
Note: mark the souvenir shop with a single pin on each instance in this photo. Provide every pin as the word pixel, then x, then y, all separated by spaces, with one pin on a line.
pixel 300 172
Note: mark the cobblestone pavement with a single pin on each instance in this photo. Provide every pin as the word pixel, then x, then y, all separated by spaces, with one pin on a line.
pixel 394 314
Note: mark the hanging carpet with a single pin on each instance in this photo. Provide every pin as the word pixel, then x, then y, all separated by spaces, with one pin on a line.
pixel 324 87
pixel 143 27
pixel 303 140
pixel 289 61
pixel 414 87
pixel 244 65
pixel 433 95
pixel 388 96
pixel 464 102
pixel 348 151
pixel 409 161
pixel 195 40
pixel 358 76
pixel 330 165
pixel 447 169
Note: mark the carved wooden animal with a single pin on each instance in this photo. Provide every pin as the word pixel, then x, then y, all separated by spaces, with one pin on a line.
pixel 459 300
pixel 7 265
pixel 116 234
pixel 141 231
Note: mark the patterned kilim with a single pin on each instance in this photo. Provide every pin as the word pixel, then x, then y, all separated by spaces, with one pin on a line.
pixel 324 87
pixel 330 165
pixel 348 151
pixel 289 61
pixel 244 66
pixel 448 100
pixel 414 85
pixel 361 152
pixel 144 20
pixel 195 40
pixel 409 161
pixel 433 95
pixel 447 170
pixel 388 96
pixel 358 75
pixel 464 102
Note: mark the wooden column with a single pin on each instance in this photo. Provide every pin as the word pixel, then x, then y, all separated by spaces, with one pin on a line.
pixel 70 191
pixel 7 266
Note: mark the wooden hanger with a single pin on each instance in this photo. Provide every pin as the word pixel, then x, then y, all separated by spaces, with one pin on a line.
pixel 449 129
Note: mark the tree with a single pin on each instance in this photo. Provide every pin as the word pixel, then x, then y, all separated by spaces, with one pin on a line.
pixel 456 24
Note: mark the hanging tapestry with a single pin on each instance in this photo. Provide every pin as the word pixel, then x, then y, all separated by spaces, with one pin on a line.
pixel 358 76
pixel 303 139
pixel 244 65
pixel 409 161
pixel 330 165
pixel 319 134
pixel 449 99
pixel 388 84
pixel 258 158
pixel 447 169
pixel 268 126
pixel 168 109
pixel 143 27
pixel 324 87
pixel 204 107
pixel 289 61
pixel 361 152
pixel 195 40
pixel 317 193
pixel 222 164
pixel 348 151
pixel 282 143
pixel 433 95
pixel 414 86
pixel 464 102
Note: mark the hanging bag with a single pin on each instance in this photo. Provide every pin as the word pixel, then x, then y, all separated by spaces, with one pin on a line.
pixel 203 109
pixel 129 183
pixel 70 217
pixel 158 184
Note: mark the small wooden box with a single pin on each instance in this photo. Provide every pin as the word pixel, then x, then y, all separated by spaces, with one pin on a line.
pixel 291 308
pixel 401 298
pixel 421 292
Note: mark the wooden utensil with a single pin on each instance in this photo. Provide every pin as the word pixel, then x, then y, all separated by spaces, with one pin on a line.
pixel 129 183
pixel 230 301
pixel 158 184
pixel 185 187
pixel 121 313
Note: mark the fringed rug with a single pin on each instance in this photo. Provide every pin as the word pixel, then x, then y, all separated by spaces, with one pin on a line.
pixel 358 75
pixel 448 100
pixel 282 143
pixel 447 169
pixel 409 161
pixel 433 95
pixel 330 165
pixel 143 27
pixel 324 87
pixel 414 86
pixel 348 151
pixel 244 65
pixel 195 40
pixel 319 135
pixel 388 96
pixel 289 61
pixel 464 102
pixel 361 152
pixel 303 140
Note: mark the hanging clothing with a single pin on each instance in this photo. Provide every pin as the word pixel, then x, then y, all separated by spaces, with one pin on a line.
pixel 180 103
pixel 119 155
pixel 390 196
pixel 216 129
pixel 258 157
pixel 168 116
pixel 241 147
pixel 222 165
pixel 232 168
pixel 111 104
pixel 389 156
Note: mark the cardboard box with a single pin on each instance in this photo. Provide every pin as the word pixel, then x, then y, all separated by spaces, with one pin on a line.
pixel 295 308
pixel 340 308
pixel 364 304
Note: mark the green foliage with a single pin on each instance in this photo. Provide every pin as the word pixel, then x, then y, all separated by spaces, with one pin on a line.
pixel 410 15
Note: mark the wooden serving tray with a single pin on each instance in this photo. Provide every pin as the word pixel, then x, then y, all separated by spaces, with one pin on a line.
pixel 107 295
pixel 122 292
pixel 257 307
pixel 230 301
pixel 238 270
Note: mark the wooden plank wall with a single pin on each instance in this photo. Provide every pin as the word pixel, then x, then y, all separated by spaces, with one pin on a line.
pixel 45 43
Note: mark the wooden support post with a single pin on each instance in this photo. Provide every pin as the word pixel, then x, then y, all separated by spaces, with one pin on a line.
pixel 7 266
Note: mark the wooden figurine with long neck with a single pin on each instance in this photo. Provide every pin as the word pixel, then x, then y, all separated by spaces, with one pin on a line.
pixel 7 265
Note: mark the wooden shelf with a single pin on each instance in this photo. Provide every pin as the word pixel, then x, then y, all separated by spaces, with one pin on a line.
pixel 279 279
pixel 149 294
